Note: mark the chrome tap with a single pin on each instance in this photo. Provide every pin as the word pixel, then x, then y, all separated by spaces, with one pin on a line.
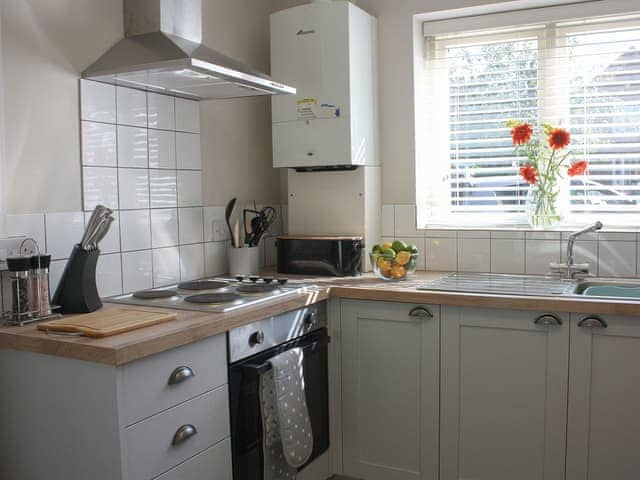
pixel 569 269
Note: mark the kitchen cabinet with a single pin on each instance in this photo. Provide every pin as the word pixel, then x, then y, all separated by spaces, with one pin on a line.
pixel 604 398
pixel 390 361
pixel 162 416
pixel 503 394
pixel 326 50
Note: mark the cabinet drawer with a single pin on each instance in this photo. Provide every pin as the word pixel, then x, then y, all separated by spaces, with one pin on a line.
pixel 310 144
pixel 149 447
pixel 145 386
pixel 212 464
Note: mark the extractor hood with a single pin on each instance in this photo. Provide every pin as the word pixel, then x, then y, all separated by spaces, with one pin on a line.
pixel 163 52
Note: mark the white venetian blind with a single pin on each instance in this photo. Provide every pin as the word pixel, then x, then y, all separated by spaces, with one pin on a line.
pixel 584 77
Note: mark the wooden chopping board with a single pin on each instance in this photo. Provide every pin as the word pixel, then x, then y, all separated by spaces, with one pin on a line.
pixel 106 322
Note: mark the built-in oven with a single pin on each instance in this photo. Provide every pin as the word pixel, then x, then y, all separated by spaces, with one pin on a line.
pixel 250 348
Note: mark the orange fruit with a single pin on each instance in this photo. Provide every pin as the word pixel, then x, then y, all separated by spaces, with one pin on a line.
pixel 403 258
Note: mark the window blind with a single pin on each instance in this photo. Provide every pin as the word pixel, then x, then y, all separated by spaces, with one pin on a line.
pixel 582 76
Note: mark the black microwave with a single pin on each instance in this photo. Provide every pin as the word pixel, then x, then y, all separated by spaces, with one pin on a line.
pixel 338 256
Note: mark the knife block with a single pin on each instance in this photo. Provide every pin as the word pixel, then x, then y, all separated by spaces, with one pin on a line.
pixel 77 291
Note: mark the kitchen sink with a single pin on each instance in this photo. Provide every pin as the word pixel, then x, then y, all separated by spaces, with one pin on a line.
pixel 599 287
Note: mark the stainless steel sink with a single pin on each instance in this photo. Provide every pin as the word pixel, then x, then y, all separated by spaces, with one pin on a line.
pixel 608 288
pixel 529 285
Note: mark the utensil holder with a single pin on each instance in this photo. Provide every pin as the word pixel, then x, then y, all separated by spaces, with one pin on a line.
pixel 244 261
pixel 77 291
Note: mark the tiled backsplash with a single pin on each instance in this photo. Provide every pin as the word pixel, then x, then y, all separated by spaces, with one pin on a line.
pixel 141 157
pixel 510 251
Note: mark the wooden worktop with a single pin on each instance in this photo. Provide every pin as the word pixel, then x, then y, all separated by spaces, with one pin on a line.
pixel 191 326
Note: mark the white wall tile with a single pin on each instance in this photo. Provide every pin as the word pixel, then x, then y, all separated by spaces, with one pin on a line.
pixel 405 222
pixel 388 221
pixel 99 144
pixel 135 230
pixel 137 271
pixel 100 186
pixel 109 275
pixel 187 115
pixel 162 149
pixel 542 235
pixel 188 155
pixel 474 234
pixel 161 111
pixel 474 254
pixel 98 101
pixel 539 253
pixel 442 254
pixel 211 214
pixel 132 107
pixel 190 225
pixel 435 233
pixel 420 243
pixel 63 230
pixel 163 188
pixel 30 225
pixel 617 236
pixel 507 234
pixel 507 255
pixel 617 259
pixel 111 242
pixel 132 147
pixel 216 261
pixel 166 266
pixel 55 274
pixel 164 227
pixel 133 186
pixel 189 188
pixel 191 261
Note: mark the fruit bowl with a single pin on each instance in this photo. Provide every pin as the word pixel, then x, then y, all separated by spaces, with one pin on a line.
pixel 393 267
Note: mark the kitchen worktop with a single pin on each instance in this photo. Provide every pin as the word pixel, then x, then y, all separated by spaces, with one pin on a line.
pixel 193 326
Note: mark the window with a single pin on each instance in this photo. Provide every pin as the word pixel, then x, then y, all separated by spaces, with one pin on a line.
pixel 584 76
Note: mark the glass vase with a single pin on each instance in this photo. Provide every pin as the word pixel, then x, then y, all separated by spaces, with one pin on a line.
pixel 542 206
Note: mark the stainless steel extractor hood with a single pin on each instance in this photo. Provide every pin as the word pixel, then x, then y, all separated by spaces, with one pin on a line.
pixel 163 52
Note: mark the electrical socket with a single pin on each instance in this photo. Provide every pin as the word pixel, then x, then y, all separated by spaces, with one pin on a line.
pixel 220 231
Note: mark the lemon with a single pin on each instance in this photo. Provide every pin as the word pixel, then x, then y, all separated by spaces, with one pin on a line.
pixel 398 271
pixel 386 246
pixel 402 258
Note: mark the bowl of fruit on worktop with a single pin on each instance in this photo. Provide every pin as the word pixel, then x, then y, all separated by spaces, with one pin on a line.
pixel 394 260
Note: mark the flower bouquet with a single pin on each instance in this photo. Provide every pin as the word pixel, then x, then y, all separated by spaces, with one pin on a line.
pixel 547 159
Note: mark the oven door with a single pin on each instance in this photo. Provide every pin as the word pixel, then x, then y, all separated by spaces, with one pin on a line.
pixel 244 392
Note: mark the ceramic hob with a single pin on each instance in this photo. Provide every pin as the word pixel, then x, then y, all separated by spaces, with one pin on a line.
pixel 218 295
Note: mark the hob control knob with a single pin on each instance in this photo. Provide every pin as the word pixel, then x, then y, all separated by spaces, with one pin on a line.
pixel 267 279
pixel 256 338
pixel 283 281
pixel 239 278
pixel 254 279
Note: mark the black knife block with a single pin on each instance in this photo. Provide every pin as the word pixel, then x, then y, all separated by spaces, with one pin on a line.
pixel 77 291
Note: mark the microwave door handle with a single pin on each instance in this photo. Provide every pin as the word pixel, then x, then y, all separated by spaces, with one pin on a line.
pixel 266 366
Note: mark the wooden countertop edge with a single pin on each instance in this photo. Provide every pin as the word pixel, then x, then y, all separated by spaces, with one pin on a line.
pixel 193 326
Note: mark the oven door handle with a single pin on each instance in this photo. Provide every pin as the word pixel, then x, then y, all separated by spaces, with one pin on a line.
pixel 266 366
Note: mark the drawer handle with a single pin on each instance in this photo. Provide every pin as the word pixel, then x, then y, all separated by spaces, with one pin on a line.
pixel 184 433
pixel 548 319
pixel 180 374
pixel 592 321
pixel 421 312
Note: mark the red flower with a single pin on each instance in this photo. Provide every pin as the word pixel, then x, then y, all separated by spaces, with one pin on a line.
pixel 521 133
pixel 529 173
pixel 559 138
pixel 577 168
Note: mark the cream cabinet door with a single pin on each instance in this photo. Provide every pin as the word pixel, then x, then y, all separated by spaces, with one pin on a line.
pixel 604 399
pixel 503 394
pixel 390 362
